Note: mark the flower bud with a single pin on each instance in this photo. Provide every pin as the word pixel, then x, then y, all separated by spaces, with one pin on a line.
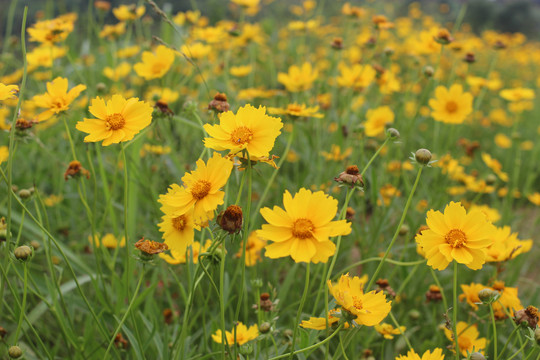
pixel 15 352
pixel 428 71
pixel 23 252
pixel 414 314
pixel 3 333
pixel 488 296
pixel 404 230
pixel 3 235
pixel 265 303
pixel 246 349
pixel 477 356
pixel 265 327
pixel 231 219
pixel 491 179
pixel 101 87
pixel 350 176
pixel 25 194
pixel 469 58
pixel 35 244
pixel 423 156
pixel 393 133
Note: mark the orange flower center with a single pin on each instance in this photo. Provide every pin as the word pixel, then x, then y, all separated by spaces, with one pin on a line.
pixel 200 189
pixel 241 135
pixel 302 228
pixel 157 68
pixel 115 121
pixel 179 223
pixel 451 107
pixel 294 108
pixel 455 238
pixel 464 343
pixel 58 104
pixel 498 285
pixel 357 303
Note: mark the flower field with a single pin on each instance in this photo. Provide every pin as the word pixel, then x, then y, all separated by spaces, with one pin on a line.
pixel 265 179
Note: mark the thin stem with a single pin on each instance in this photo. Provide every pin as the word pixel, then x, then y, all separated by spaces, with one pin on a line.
pixel 409 201
pixel 454 310
pixel 222 305
pixel 127 247
pixel 445 303
pixel 299 312
pixel 494 331
pixel 127 312
pixel 23 304
pixel 70 139
pixel 375 155
pixel 508 340
pixel 312 347
pixel 396 324
pixel 520 349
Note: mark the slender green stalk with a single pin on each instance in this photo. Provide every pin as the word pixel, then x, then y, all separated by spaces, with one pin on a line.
pixel 396 324
pixel 126 232
pixel 222 306
pixel 375 155
pixel 23 304
pixel 508 341
pixel 70 139
pixel 494 331
pixel 373 259
pixel 454 310
pixel 299 312
pixel 111 342
pixel 445 303
pixel 521 349
pixel 342 348
pixel 403 215
pixel 312 347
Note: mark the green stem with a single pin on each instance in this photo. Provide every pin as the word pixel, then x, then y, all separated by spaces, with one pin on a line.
pixel 494 332
pixel 409 200
pixel 126 196
pixel 508 340
pixel 454 310
pixel 70 139
pixel 375 155
pixel 299 312
pixel 396 324
pixel 517 352
pixel 312 347
pixel 127 312
pixel 23 304
pixel 445 303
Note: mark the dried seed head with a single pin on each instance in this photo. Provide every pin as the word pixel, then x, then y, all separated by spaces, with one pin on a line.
pixel 231 219
pixel 219 103
pixel 527 317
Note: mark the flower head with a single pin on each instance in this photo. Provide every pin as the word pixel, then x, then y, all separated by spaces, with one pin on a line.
pixel 366 308
pixel 155 65
pixel 250 129
pixel 118 119
pixel 8 91
pixel 456 235
pixel 304 228
pixel 428 355
pixel 57 99
pixel 299 78
pixel 201 191
pixel 377 119
pixel 356 77
pixel 128 12
pixel 242 332
pixel 109 241
pixel 451 106
pixel 388 331
pixel 254 248
pixel 468 340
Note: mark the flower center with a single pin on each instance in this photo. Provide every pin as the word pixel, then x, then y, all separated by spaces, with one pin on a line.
pixel 464 343
pixel 357 303
pixel 241 135
pixel 455 238
pixel 451 107
pixel 157 68
pixel 200 189
pixel 115 121
pixel 294 108
pixel 179 223
pixel 302 228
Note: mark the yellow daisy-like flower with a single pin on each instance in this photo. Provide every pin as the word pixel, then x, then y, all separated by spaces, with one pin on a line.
pixel 356 77
pixel 456 235
pixel 201 190
pixel 178 231
pixel 495 165
pixel 109 241
pixel 250 129
pixel 506 245
pixel 428 355
pixel 320 323
pixel 297 110
pixel 377 119
pixel 117 120
pixel 388 331
pixel 299 78
pixel 467 338
pixel 304 228
pixel 44 56
pixel 117 73
pixel 451 106
pixel 470 294
pixel 254 248
pixel 128 12
pixel 52 31
pixel 57 98
pixel 155 65
pixel 243 334
pixel 508 300
pixel 517 94
pixel 8 91
pixel 4 153
pixel 534 198
pixel 369 308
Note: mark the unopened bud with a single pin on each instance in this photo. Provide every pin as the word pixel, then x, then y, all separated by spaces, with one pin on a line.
pixel 246 349
pixel 25 194
pixel 265 327
pixel 423 156
pixel 393 133
pixel 477 356
pixel 428 71
pixel 537 335
pixel 488 296
pixel 15 352
pixel 23 252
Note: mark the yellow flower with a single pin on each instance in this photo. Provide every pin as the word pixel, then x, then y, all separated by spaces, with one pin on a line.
pixel 196 50
pixel 320 323
pixel 109 241
pixel 52 31
pixel 112 31
pixel 246 3
pixel 128 12
pixel 534 198
pixel 492 215
pixel 4 153
pixel 369 308
pixel 356 77
pixel 52 200
pixel 296 110
pixel 163 94
pixel 508 300
pixel 250 129
pixel 128 52
pixel 241 71
pixel 503 141
pixel 201 190
pixel 456 235
pixel 8 91
pixel 387 192
pixel 119 72
pixel 467 338
pixel 253 249
pixel 44 56
pixel 57 98
pixel 377 119
pixel 335 153
pixel 451 106
pixel 193 251
pixel 155 65
pixel 495 165
pixel 304 228
pixel 506 245
pixel 299 78
pixel 517 94
pixel 243 334
pixel 428 355
pixel 470 294
pixel 178 230
pixel 388 331
pixel 117 120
